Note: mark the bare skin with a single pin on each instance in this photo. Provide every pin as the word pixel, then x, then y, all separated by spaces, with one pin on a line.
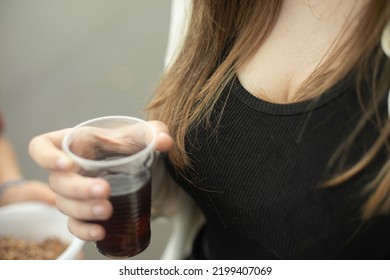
pixel 298 44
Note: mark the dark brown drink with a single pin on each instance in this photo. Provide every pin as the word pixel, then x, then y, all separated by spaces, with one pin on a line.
pixel 128 229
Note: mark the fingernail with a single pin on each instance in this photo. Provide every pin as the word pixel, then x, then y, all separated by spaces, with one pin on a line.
pixel 94 233
pixel 97 190
pixel 163 134
pixel 63 163
pixel 98 210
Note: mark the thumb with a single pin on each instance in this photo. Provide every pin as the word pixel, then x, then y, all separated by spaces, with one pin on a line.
pixel 164 140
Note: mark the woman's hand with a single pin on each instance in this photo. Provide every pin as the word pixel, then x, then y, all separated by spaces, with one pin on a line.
pixel 80 198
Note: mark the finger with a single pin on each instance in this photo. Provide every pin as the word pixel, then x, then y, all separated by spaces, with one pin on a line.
pixel 75 186
pixel 86 231
pixel 46 150
pixel 164 140
pixel 86 210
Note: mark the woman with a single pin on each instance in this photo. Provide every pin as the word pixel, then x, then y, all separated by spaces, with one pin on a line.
pixel 277 111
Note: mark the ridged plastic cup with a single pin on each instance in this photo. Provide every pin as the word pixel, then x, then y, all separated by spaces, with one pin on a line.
pixel 118 149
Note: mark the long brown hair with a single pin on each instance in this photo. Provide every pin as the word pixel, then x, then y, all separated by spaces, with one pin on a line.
pixel 225 34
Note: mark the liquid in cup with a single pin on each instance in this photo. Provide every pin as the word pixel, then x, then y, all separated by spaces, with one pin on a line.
pixel 128 229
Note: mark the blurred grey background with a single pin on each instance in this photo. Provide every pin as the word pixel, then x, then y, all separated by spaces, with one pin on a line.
pixel 66 61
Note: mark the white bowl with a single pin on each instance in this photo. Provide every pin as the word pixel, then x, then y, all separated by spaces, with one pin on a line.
pixel 36 222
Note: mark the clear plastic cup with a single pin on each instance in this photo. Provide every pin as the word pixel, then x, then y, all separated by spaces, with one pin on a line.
pixel 118 149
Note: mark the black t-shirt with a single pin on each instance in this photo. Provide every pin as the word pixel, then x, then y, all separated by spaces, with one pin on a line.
pixel 257 173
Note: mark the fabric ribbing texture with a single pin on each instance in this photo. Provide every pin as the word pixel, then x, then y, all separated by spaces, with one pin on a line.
pixel 257 174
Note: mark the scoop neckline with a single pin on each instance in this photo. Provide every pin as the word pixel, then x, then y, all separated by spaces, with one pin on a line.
pixel 300 107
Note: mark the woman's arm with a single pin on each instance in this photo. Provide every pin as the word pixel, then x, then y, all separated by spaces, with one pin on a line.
pixel 13 187
pixel 9 167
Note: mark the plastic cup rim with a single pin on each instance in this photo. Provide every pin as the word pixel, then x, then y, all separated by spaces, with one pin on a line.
pixel 109 163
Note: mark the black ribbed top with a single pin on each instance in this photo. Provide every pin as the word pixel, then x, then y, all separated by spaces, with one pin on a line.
pixel 257 179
